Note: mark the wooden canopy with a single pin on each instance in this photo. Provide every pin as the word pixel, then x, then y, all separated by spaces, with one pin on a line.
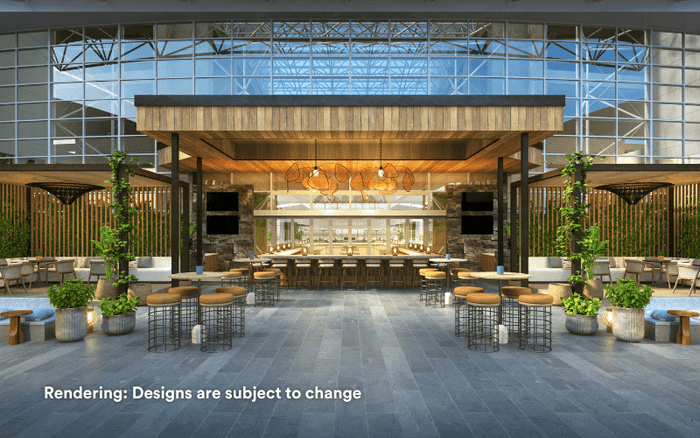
pixel 604 174
pixel 96 174
pixel 438 134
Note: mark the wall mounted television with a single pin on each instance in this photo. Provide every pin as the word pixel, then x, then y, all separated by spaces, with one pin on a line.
pixel 222 201
pixel 477 201
pixel 477 224
pixel 227 224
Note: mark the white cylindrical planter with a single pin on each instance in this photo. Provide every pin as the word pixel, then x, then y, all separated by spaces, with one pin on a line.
pixel 628 324
pixel 251 298
pixel 449 298
pixel 118 324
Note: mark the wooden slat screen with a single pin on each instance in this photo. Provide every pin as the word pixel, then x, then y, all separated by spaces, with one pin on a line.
pixel 67 230
pixel 633 230
pixel 687 220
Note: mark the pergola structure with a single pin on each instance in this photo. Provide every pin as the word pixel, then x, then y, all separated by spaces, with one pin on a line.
pixel 95 175
pixel 599 175
pixel 251 134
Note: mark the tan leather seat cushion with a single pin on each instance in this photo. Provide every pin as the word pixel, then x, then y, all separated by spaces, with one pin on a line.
pixel 213 299
pixel 275 270
pixel 185 291
pixel 455 271
pixel 464 274
pixel 539 299
pixel 463 291
pixel 264 274
pixel 483 298
pixel 424 270
pixel 155 300
pixel 235 274
pixel 233 290
pixel 244 271
pixel 515 291
pixel 435 274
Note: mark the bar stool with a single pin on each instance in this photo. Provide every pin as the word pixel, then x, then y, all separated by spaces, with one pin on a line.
pixel 424 282
pixel 535 312
pixel 301 265
pixel 398 267
pixel 234 278
pixel 277 283
pixel 482 309
pixel 509 307
pixel 417 266
pixel 460 280
pixel 217 321
pixel 461 320
pixel 163 321
pixel 238 310
pixel 264 287
pixel 282 265
pixel 371 264
pixel 349 266
pixel 326 265
pixel 189 309
pixel 435 292
pixel 245 272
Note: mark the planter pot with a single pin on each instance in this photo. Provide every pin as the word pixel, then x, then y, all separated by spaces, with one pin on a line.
pixel 119 324
pixel 141 290
pixel 593 288
pixel 581 324
pixel 105 289
pixel 71 324
pixel 628 324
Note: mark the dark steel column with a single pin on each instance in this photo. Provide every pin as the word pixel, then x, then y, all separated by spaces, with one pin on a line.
pixel 501 208
pixel 186 230
pixel 28 215
pixel 671 223
pixel 200 212
pixel 524 204
pixel 123 263
pixel 175 206
pixel 513 228
pixel 576 264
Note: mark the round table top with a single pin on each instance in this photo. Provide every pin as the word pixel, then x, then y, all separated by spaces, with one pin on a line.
pixel 14 313
pixel 491 275
pixel 444 260
pixel 193 276
pixel 249 260
pixel 683 313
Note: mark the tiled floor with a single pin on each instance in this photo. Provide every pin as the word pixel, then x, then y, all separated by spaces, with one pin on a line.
pixel 416 379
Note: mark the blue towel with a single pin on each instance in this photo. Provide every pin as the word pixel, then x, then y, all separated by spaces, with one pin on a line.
pixel 39 314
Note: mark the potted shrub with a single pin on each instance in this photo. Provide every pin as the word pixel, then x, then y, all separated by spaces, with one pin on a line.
pixel 70 300
pixel 581 317
pixel 628 299
pixel 119 315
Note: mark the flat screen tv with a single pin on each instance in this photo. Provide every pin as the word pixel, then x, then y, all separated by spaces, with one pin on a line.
pixel 473 201
pixel 222 224
pixel 222 201
pixel 477 224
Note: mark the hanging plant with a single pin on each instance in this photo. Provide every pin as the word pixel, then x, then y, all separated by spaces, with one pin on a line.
pixel 121 200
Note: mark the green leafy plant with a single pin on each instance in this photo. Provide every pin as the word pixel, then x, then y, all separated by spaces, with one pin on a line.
pixel 574 210
pixel 121 200
pixel 14 230
pixel 105 249
pixel 118 306
pixel 592 248
pixel 71 294
pixel 577 305
pixel 626 292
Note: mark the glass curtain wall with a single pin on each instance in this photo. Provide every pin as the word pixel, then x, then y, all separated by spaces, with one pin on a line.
pixel 67 95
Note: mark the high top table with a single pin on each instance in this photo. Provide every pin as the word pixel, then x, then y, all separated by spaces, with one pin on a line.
pixel 440 259
pixel 16 335
pixel 490 275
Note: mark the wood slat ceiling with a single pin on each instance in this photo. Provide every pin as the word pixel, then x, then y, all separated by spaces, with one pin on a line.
pixel 467 138
pixel 21 174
